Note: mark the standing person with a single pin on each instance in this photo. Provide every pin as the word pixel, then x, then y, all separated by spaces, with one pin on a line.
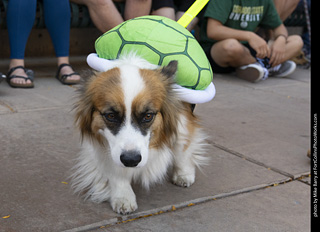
pixel 20 19
pixel 105 15
pixel 231 44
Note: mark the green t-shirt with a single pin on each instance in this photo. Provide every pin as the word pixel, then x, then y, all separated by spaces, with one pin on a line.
pixel 240 14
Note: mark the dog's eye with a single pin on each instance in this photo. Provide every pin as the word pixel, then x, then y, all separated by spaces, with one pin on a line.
pixel 110 117
pixel 148 117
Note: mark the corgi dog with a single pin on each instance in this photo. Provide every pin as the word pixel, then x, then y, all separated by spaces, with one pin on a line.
pixel 134 128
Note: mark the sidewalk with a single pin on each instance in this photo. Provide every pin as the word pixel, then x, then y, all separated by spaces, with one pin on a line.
pixel 258 178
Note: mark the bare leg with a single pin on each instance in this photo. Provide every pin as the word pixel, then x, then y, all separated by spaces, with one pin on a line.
pixel 166 12
pixel 136 8
pixel 285 7
pixel 103 13
pixel 293 47
pixel 232 53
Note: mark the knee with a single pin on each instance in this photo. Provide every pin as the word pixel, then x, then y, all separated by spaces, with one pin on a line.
pixel 297 41
pixel 232 48
pixel 227 52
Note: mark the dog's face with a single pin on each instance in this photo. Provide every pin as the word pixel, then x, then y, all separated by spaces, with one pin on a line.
pixel 127 108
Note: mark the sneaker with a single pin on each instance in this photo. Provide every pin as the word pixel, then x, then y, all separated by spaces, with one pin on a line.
pixel 252 72
pixel 283 70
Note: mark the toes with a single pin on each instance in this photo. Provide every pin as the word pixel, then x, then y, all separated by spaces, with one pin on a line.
pixel 73 78
pixel 124 205
pixel 183 180
pixel 20 81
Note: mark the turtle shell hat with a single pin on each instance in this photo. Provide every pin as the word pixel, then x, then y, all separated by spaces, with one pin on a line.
pixel 159 40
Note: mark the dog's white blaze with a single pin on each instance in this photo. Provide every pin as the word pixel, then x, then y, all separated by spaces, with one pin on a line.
pixel 129 138
pixel 132 85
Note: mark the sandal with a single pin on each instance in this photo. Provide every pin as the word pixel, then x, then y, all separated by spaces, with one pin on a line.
pixel 30 77
pixel 63 78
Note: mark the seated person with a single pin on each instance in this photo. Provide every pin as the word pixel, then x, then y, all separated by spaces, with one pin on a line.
pixel 231 44
pixel 105 15
pixel 20 20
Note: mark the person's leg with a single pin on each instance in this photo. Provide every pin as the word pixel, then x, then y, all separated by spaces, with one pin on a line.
pixel 284 66
pixel 20 19
pixel 166 12
pixel 163 8
pixel 136 8
pixel 231 53
pixel 103 13
pixel 57 17
pixel 285 7
pixel 293 47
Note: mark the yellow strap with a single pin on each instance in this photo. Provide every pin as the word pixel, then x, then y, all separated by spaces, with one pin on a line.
pixel 192 12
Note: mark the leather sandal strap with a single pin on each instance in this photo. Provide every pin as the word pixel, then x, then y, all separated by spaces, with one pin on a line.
pixel 15 68
pixel 61 66
pixel 17 76
pixel 28 72
pixel 63 77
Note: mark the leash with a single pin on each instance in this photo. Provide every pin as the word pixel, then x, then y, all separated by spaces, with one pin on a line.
pixel 192 12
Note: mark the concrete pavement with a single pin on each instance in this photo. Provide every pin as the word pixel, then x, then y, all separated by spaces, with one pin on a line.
pixel 258 178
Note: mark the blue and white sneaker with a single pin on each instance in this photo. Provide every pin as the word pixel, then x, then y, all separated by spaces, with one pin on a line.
pixel 282 70
pixel 252 72
pixel 261 70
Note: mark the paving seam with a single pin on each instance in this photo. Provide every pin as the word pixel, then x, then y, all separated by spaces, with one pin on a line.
pixel 169 208
pixel 242 156
pixel 67 107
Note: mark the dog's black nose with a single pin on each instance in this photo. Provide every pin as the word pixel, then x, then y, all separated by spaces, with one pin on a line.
pixel 130 158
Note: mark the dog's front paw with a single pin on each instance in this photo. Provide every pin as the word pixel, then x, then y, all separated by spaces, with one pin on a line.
pixel 124 205
pixel 183 180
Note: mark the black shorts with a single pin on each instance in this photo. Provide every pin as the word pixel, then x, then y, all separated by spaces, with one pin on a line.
pixel 218 69
pixel 178 5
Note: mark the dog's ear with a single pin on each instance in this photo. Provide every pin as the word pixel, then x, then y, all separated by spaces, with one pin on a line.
pixel 170 70
pixel 172 106
pixel 84 109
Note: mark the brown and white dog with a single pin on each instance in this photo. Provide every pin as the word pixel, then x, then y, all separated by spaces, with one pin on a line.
pixel 134 128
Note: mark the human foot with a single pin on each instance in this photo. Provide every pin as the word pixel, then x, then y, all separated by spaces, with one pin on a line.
pixel 20 77
pixel 66 75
